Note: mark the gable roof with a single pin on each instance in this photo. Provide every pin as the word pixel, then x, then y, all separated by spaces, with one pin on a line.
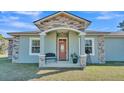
pixel 65 12
pixel 62 13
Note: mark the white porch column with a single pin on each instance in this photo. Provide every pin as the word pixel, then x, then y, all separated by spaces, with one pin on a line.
pixel 42 49
pixel 82 50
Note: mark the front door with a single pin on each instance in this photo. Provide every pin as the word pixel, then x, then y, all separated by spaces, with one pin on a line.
pixel 62 49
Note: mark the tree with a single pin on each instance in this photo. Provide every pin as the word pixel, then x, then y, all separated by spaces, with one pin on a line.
pixel 3 45
pixel 1 37
pixel 121 25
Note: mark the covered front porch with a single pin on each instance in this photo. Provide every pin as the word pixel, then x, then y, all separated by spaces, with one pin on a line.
pixel 63 42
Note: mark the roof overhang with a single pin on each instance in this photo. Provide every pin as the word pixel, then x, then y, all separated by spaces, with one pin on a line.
pixel 92 33
pixel 23 33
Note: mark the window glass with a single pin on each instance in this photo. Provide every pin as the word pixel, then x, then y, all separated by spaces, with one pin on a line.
pixel 88 43
pixel 88 46
pixel 62 47
pixel 35 46
pixel 35 43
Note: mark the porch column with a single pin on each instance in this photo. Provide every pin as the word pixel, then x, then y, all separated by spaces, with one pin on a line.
pixel 82 50
pixel 42 49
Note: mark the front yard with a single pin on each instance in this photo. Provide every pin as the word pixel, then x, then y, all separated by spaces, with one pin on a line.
pixel 110 71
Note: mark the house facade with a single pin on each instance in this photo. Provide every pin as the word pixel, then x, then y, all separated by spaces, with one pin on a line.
pixel 64 34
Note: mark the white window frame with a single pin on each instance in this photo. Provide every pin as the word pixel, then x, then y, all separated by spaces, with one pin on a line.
pixel 93 45
pixel 30 46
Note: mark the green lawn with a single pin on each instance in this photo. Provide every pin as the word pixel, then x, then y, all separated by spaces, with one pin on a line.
pixel 110 71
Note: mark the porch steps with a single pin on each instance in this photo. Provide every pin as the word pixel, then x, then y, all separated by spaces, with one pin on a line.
pixel 62 64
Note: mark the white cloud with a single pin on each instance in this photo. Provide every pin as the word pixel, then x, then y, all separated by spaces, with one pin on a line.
pixel 10 22
pixel 106 29
pixel 5 31
pixel 13 17
pixel 99 12
pixel 102 29
pixel 105 12
pixel 104 17
pixel 108 15
pixel 8 19
pixel 19 24
pixel 31 13
pixel 14 22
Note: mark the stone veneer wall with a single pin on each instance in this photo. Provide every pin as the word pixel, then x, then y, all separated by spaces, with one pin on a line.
pixel 15 54
pixel 61 21
pixel 101 50
pixel 10 46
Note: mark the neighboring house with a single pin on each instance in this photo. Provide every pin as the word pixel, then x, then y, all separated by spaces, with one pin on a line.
pixel 63 34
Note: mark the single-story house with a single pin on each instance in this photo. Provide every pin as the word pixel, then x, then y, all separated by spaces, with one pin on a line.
pixel 63 41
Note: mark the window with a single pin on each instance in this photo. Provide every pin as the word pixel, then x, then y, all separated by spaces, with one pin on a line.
pixel 34 46
pixel 89 46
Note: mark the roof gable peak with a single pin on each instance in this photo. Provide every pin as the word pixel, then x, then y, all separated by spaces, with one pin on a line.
pixel 62 18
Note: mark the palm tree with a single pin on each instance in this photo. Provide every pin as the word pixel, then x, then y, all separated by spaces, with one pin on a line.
pixel 121 25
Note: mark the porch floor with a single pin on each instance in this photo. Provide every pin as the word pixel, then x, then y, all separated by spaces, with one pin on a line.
pixel 62 64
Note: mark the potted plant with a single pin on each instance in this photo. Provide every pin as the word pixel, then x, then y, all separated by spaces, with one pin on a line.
pixel 74 58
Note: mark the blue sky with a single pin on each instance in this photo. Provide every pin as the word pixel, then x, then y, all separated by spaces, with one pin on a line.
pixel 17 21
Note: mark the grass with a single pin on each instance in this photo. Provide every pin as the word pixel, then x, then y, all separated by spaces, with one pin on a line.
pixel 22 72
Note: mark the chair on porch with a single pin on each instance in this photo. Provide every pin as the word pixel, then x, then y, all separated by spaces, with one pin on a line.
pixel 50 56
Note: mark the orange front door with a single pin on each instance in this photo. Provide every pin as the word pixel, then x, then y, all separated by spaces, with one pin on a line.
pixel 62 49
